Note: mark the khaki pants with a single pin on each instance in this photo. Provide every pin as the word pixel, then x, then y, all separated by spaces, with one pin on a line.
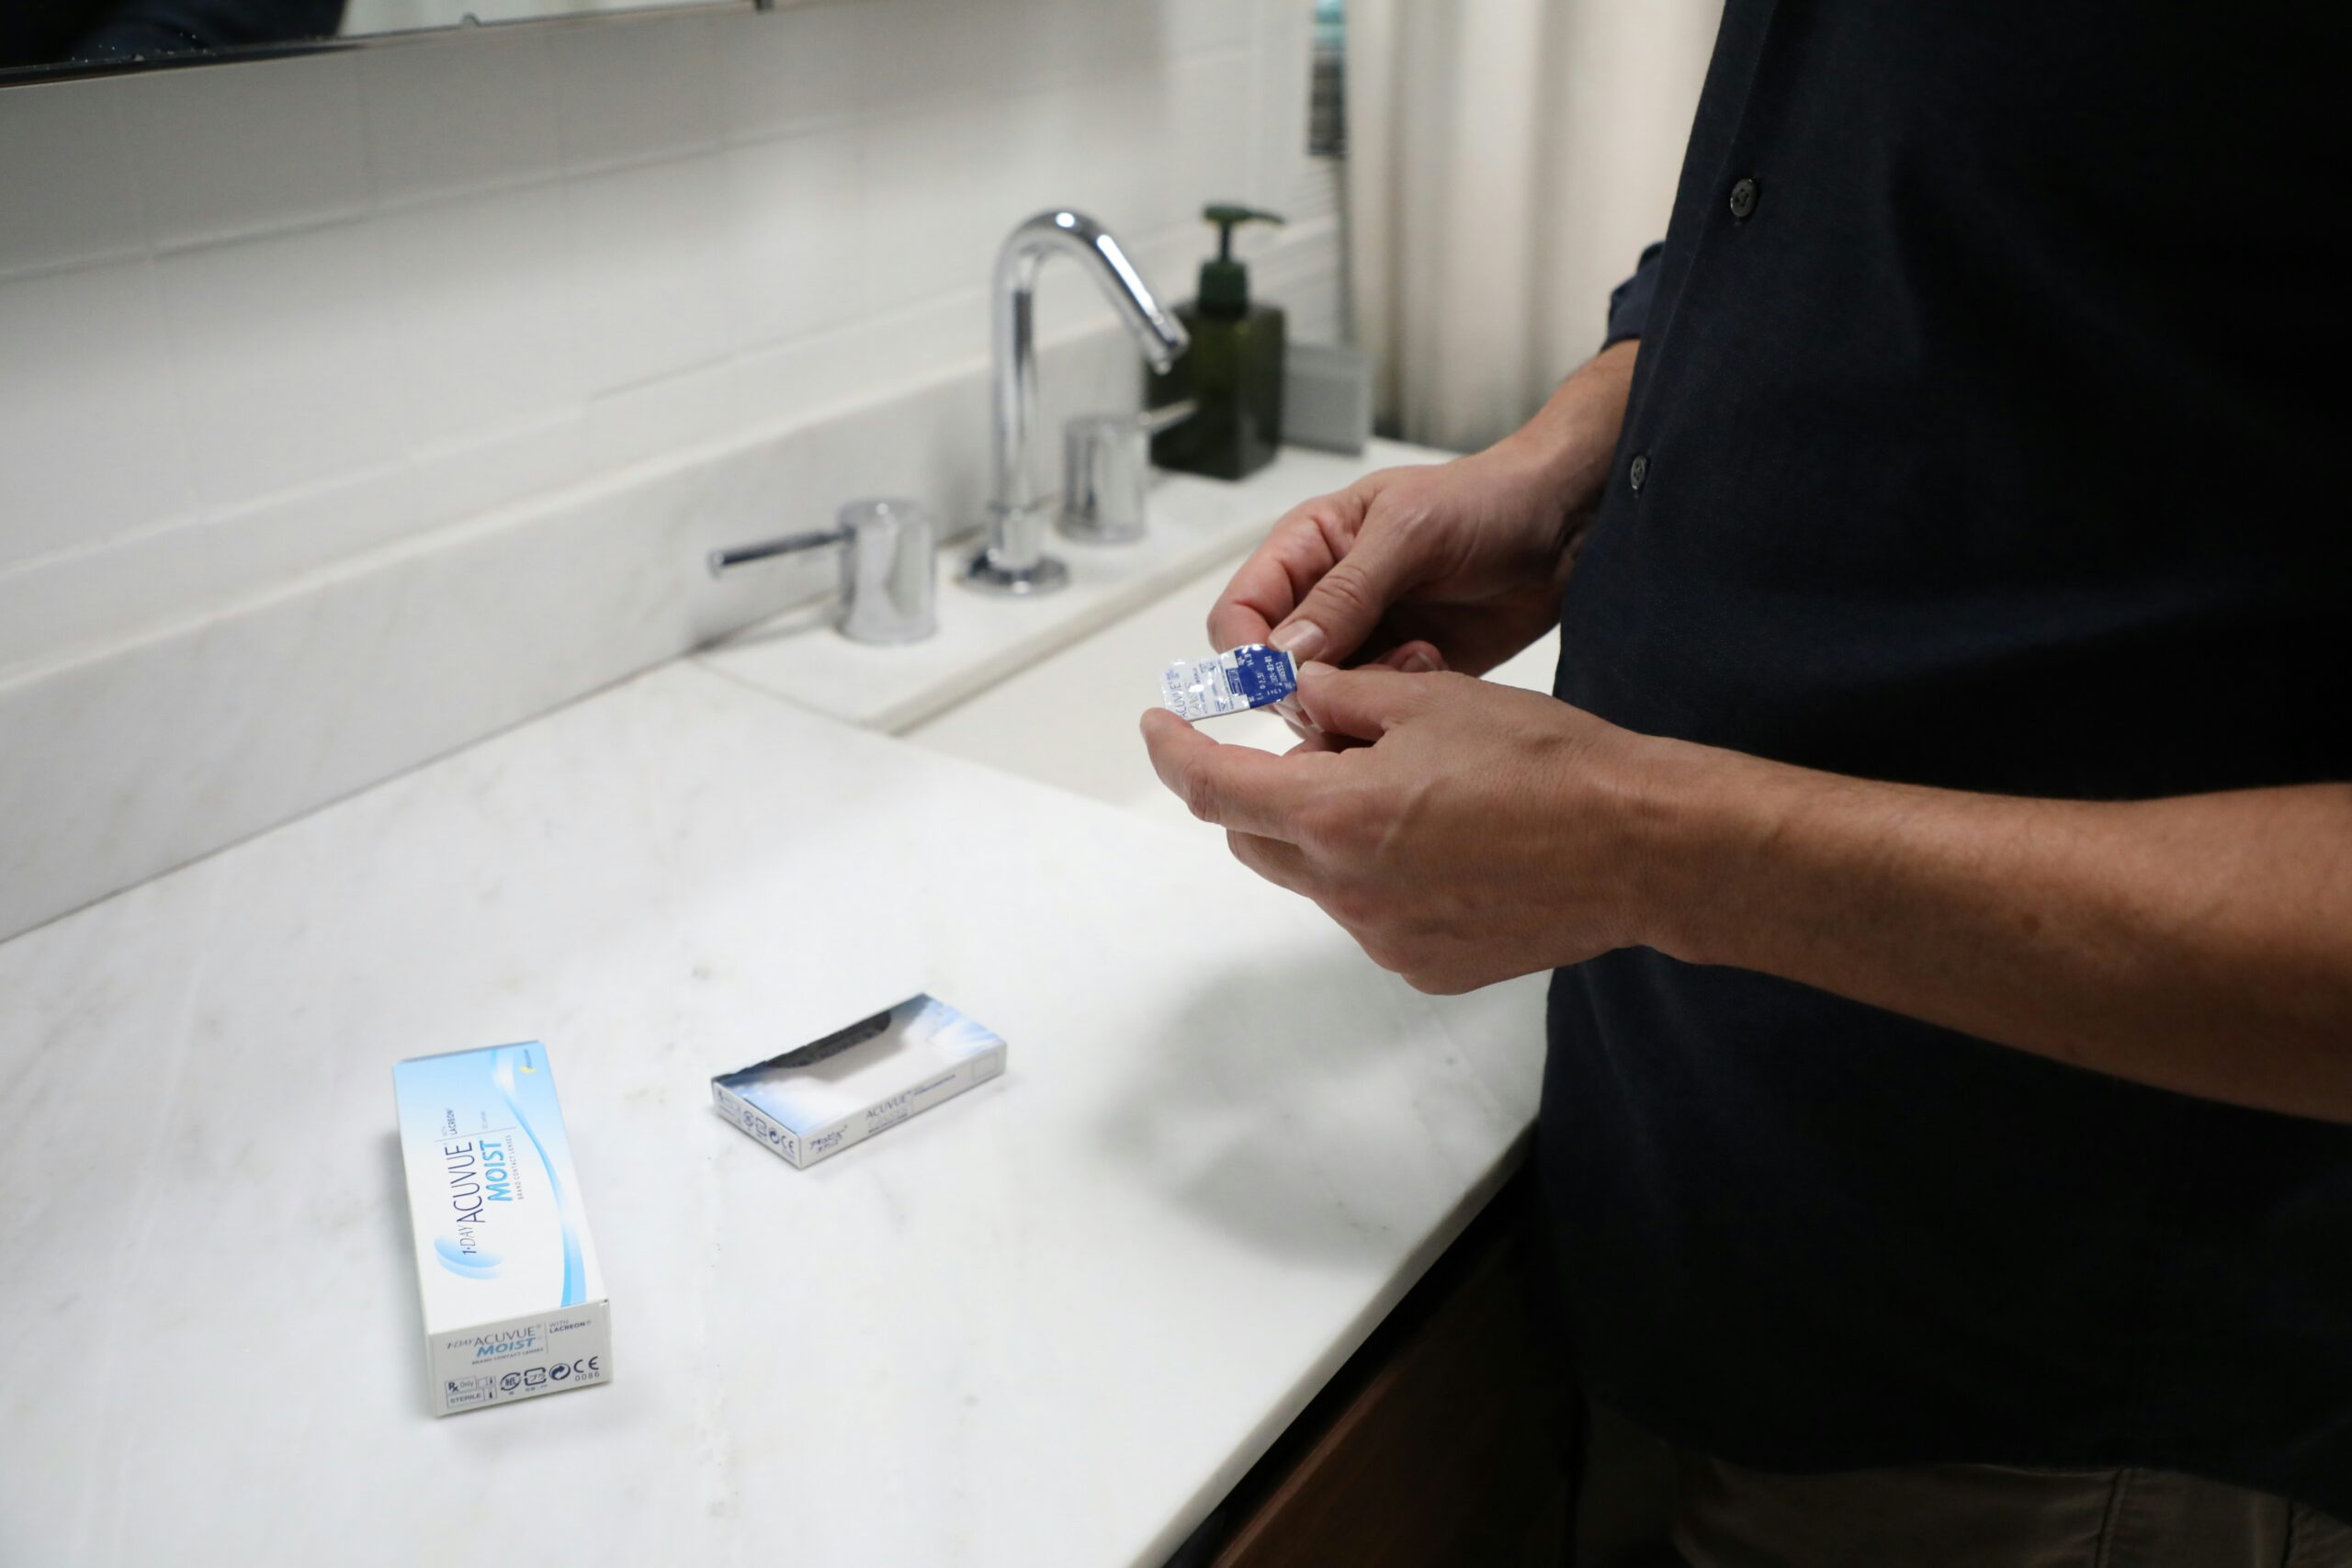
pixel 1646 1503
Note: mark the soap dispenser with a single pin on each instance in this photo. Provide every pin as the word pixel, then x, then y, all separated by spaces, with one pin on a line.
pixel 1233 370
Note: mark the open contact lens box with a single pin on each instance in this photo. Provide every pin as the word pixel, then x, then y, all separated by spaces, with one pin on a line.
pixel 848 1085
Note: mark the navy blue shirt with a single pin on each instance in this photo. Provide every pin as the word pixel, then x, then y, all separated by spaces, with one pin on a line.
pixel 1984 434
pixel 96 32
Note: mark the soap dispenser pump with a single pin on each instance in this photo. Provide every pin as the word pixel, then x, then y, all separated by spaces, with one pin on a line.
pixel 1233 370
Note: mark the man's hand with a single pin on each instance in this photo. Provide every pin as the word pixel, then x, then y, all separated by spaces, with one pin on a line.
pixel 2202 944
pixel 1479 835
pixel 1467 557
pixel 1460 563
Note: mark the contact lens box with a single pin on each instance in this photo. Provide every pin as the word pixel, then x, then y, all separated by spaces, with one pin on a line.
pixel 515 1305
pixel 848 1085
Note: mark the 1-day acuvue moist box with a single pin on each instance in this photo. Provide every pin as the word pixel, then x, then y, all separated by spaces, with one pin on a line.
pixel 515 1305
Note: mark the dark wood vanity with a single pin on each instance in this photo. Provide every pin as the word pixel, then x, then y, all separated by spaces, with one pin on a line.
pixel 1435 1446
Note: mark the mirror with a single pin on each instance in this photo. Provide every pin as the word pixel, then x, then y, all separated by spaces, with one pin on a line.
pixel 79 37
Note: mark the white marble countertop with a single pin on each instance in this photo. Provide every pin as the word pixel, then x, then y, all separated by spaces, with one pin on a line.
pixel 1049 1322
pixel 1193 522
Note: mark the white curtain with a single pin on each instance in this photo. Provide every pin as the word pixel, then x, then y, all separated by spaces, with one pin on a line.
pixel 1507 162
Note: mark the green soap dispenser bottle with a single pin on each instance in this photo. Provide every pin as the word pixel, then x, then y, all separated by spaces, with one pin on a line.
pixel 1233 371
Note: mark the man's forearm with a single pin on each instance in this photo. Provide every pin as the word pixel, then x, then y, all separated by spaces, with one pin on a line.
pixel 2202 944
pixel 1572 435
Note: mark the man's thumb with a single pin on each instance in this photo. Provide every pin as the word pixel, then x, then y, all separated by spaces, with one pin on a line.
pixel 1340 611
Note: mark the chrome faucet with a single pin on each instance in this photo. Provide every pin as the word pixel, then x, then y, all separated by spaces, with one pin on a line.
pixel 1014 561
pixel 889 567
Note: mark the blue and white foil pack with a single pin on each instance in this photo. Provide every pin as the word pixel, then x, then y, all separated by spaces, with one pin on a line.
pixel 513 1302
pixel 1251 676
pixel 842 1088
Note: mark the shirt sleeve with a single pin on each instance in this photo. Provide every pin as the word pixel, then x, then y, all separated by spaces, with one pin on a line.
pixel 1629 302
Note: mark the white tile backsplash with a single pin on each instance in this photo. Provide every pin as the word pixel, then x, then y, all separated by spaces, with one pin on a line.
pixel 90 444
pixel 1208 136
pixel 441 121
pixel 284 381
pixel 927 195
pixel 235 552
pixel 1198 25
pixel 476 475
pixel 862 360
pixel 65 176
pixel 796 209
pixel 1081 40
pixel 646 418
pixel 650 246
pixel 635 90
pixel 79 598
pixel 485 326
pixel 287 146
pixel 786 70
pixel 355 404
pixel 1100 162
pixel 918 55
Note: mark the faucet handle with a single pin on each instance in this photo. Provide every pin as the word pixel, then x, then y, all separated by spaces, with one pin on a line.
pixel 1107 468
pixel 890 572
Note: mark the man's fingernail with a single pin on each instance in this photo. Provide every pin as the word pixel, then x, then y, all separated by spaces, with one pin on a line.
pixel 1301 639
pixel 1422 662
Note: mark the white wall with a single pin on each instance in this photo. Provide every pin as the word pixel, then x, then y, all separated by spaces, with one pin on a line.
pixel 355 407
pixel 255 319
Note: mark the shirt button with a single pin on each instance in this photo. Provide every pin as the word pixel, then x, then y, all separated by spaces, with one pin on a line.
pixel 1743 198
pixel 1639 472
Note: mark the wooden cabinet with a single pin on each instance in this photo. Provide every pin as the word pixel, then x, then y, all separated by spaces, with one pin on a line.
pixel 1438 1444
